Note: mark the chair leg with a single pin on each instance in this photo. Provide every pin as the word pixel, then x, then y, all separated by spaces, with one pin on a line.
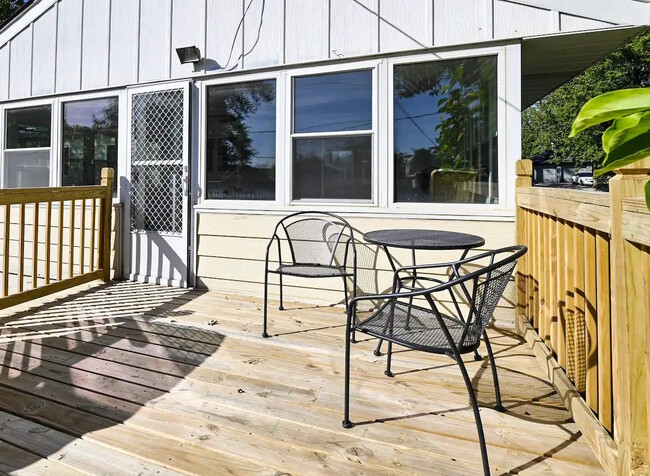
pixel 281 300
pixel 346 409
pixel 497 391
pixel 389 355
pixel 477 415
pixel 266 295
pixel 345 290
pixel 377 350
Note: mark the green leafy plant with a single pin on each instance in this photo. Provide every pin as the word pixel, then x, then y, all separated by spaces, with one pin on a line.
pixel 627 139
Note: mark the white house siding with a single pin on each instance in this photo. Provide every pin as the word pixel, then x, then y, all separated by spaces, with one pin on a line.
pixel 135 43
pixel 231 250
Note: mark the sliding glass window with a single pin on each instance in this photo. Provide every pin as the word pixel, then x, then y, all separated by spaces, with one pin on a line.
pixel 27 147
pixel 332 136
pixel 240 148
pixel 445 131
pixel 90 130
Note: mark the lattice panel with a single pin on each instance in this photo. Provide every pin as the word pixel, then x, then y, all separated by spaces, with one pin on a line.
pixel 157 145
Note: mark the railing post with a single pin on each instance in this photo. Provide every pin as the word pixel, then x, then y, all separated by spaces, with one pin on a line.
pixel 524 171
pixel 108 176
pixel 629 329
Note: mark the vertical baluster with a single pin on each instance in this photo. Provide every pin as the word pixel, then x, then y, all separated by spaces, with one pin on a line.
pixel 93 224
pixel 71 240
pixel 541 254
pixel 21 247
pixel 59 270
pixel 48 241
pixel 569 296
pixel 82 239
pixel 535 259
pixel 561 292
pixel 579 303
pixel 591 320
pixel 5 251
pixel 35 248
pixel 603 291
pixel 552 285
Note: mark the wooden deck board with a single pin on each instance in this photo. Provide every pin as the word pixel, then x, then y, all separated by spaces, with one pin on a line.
pixel 181 381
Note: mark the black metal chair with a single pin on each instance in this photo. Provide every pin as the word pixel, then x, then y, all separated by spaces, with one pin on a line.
pixel 314 240
pixel 428 329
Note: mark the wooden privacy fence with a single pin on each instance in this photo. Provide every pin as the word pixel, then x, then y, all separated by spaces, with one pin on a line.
pixel 54 239
pixel 583 305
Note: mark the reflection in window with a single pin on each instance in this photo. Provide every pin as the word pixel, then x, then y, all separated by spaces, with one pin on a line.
pixel 240 152
pixel 27 147
pixel 445 131
pixel 326 163
pixel 89 140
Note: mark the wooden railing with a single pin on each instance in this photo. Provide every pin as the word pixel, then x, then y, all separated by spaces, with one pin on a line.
pixel 583 305
pixel 54 239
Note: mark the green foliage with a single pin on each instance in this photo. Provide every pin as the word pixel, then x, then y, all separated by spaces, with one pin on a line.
pixel 8 7
pixel 546 126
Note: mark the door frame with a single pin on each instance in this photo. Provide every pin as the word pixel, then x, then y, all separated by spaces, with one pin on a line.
pixel 125 190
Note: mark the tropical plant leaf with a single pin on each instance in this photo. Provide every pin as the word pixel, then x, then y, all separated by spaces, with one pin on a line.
pixel 610 106
pixel 647 194
pixel 612 164
pixel 624 129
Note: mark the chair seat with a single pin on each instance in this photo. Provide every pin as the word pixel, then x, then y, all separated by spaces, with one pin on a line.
pixel 312 271
pixel 423 331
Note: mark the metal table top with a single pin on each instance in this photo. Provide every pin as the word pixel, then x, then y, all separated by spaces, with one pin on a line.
pixel 416 239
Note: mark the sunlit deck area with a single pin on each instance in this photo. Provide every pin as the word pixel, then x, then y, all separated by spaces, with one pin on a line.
pixel 140 379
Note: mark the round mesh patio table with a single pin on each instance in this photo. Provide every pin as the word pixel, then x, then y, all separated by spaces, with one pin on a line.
pixel 418 239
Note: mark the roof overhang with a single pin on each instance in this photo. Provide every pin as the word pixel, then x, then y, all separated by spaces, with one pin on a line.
pixel 550 61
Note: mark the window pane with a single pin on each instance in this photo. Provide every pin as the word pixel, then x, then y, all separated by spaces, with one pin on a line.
pixel 333 102
pixel 445 125
pixel 89 140
pixel 333 168
pixel 29 168
pixel 28 127
pixel 240 154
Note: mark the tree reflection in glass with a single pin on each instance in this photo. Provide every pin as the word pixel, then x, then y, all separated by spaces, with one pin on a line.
pixel 240 148
pixel 445 131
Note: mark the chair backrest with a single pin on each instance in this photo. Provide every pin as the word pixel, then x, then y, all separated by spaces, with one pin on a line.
pixel 452 186
pixel 486 286
pixel 314 237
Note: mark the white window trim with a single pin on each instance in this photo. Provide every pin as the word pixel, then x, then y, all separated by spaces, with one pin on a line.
pixel 452 208
pixel 53 135
pixel 373 132
pixel 508 72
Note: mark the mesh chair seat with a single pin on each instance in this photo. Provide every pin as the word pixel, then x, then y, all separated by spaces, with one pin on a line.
pixel 421 330
pixel 312 271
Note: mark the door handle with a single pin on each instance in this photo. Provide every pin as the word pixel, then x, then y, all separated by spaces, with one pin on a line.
pixel 185 181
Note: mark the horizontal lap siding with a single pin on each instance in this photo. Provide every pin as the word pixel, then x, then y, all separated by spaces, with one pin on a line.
pixel 231 250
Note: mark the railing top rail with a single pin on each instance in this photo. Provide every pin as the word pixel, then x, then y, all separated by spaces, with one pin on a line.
pixel 15 196
pixel 583 196
pixel 636 221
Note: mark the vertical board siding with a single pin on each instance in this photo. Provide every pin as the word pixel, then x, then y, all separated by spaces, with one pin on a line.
pixel 405 25
pixel 155 23
pixel 307 30
pixel 21 64
pixel 44 53
pixel 4 72
pixel 512 20
pixel 354 28
pixel 460 21
pixel 123 64
pixel 95 55
pixel 264 34
pixel 573 23
pixel 68 46
pixel 224 34
pixel 188 29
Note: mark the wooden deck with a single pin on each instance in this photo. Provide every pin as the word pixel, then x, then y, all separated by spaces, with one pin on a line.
pixel 139 379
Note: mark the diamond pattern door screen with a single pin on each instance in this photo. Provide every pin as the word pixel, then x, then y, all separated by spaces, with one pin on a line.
pixel 157 168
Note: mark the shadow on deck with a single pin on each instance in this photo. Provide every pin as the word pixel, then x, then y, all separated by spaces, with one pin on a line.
pixel 134 378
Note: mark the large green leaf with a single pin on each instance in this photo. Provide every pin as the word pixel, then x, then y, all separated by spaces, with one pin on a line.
pixel 624 129
pixel 610 106
pixel 626 153
pixel 647 194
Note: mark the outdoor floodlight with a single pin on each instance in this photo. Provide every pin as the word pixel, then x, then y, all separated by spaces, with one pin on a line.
pixel 188 54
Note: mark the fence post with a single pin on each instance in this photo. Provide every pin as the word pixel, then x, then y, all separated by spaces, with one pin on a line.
pixel 629 329
pixel 108 174
pixel 524 171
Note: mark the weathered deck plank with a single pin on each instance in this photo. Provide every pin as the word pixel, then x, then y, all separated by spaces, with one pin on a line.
pixel 112 367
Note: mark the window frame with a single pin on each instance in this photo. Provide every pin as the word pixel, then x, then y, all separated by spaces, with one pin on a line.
pixel 279 141
pixel 373 67
pixel 459 209
pixel 121 130
pixel 53 134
